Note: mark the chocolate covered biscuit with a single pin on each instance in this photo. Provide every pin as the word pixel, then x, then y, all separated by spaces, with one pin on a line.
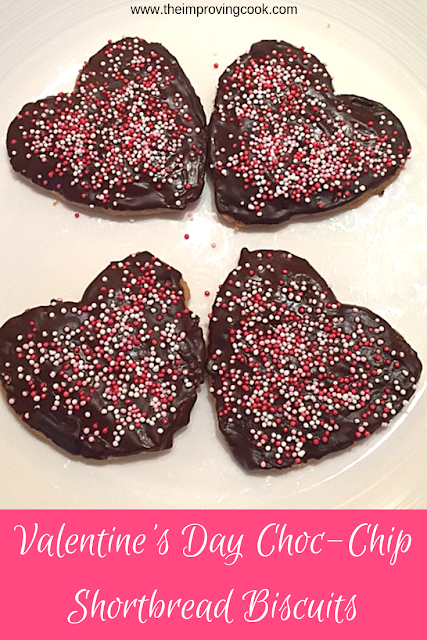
pixel 296 374
pixel 114 374
pixel 130 137
pixel 281 143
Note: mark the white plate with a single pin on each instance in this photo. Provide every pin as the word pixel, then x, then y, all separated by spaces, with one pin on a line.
pixel 373 255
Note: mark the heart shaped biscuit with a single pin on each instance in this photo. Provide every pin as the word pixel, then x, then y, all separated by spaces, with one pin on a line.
pixel 114 374
pixel 296 374
pixel 130 137
pixel 281 143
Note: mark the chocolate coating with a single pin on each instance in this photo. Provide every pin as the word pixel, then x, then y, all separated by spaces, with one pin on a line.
pixel 114 374
pixel 281 143
pixel 130 137
pixel 296 374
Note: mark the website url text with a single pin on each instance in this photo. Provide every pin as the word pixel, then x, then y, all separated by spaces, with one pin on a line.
pixel 228 10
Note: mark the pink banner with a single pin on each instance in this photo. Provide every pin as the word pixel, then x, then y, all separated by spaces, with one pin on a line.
pixel 336 574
